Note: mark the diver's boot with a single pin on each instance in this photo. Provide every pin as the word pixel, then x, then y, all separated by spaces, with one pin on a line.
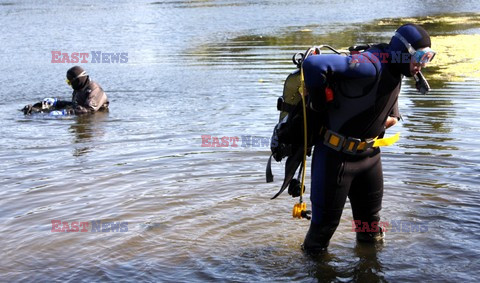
pixel 317 238
pixel 371 237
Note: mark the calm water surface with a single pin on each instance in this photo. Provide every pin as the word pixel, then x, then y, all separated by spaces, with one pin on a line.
pixel 196 213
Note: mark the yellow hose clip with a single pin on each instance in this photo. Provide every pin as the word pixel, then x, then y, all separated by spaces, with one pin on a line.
pixel 300 211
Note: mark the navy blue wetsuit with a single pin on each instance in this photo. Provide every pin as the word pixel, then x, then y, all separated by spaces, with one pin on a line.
pixel 366 92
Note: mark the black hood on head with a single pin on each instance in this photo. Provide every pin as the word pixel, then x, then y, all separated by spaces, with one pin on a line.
pixel 417 37
pixel 77 77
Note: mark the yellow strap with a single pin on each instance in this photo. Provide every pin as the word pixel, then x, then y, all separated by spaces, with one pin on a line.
pixel 378 142
pixel 387 141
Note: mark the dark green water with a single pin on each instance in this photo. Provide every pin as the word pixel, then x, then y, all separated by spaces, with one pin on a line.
pixel 203 214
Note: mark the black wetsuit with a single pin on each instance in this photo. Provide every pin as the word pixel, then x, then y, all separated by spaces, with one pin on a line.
pixel 366 93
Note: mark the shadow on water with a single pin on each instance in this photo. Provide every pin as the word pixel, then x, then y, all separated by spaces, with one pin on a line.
pixel 85 129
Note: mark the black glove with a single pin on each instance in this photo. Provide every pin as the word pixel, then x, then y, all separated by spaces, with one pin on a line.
pixel 79 110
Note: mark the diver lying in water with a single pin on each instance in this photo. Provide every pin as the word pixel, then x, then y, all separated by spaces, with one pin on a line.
pixel 87 97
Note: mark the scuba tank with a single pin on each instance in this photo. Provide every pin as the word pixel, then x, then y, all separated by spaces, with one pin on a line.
pixel 293 138
pixel 288 135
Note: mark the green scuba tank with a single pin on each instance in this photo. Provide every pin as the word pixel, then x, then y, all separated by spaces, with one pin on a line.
pixel 288 135
pixel 291 94
pixel 287 138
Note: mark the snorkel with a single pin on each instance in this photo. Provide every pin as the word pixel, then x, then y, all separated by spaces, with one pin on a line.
pixel 421 83
pixel 421 56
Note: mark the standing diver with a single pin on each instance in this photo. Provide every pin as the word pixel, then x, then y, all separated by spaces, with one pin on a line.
pixel 87 97
pixel 346 160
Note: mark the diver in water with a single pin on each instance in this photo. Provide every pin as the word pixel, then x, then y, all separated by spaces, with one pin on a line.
pixel 87 97
pixel 346 160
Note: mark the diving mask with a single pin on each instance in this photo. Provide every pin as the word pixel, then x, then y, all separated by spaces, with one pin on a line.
pixel 83 74
pixel 420 56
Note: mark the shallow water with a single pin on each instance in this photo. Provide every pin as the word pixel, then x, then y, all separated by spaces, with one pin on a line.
pixel 200 213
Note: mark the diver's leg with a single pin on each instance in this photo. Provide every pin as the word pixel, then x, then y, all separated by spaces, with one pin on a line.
pixel 365 196
pixel 35 108
pixel 330 184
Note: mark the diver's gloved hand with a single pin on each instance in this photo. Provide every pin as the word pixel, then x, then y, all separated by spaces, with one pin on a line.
pixel 49 102
pixel 80 110
pixel 70 111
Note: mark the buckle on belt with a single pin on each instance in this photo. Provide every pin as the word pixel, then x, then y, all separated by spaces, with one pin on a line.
pixel 369 143
pixel 333 140
pixel 351 145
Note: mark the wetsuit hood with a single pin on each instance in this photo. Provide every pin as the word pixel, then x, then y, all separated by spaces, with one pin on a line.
pixel 415 35
pixel 78 77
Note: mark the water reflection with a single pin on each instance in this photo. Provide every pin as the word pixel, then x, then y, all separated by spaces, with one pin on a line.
pixel 323 268
pixel 85 129
pixel 368 268
pixel 364 267
pixel 454 61
pixel 429 120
